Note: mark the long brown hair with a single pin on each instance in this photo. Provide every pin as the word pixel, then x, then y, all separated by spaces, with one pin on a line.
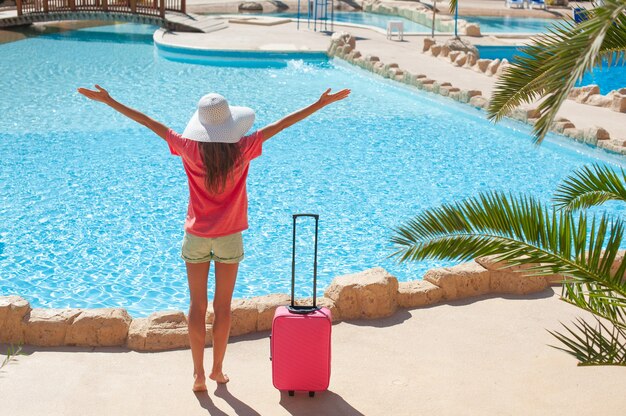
pixel 220 161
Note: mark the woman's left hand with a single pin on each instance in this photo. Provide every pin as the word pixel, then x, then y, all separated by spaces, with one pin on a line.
pixel 328 98
pixel 101 95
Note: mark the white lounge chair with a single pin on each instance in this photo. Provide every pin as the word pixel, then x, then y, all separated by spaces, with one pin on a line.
pixel 539 4
pixel 396 25
pixel 514 3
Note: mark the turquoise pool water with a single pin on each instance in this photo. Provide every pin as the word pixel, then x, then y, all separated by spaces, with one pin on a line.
pixel 608 78
pixel 508 24
pixel 92 205
pixel 487 24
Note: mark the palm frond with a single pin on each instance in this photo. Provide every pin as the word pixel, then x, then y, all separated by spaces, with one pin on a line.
pixel 556 60
pixel 453 4
pixel 591 345
pixel 523 231
pixel 590 186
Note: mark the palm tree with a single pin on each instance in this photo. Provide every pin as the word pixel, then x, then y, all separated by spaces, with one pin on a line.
pixel 562 239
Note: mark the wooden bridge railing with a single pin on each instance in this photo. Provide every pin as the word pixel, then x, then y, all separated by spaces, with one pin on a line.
pixel 143 7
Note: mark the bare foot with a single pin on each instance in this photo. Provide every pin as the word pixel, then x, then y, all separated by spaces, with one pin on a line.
pixel 199 383
pixel 220 377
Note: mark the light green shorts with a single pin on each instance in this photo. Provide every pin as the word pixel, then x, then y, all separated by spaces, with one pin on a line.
pixel 227 249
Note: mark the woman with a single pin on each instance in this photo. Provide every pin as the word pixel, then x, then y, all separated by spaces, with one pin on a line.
pixel 216 156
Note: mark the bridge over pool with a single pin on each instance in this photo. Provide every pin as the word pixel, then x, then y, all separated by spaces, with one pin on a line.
pixel 170 14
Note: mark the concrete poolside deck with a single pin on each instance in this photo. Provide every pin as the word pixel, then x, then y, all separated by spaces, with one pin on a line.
pixel 483 356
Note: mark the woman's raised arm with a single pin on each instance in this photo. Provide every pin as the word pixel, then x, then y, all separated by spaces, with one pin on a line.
pixel 103 96
pixel 326 98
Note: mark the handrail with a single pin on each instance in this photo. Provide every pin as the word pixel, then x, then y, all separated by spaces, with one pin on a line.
pixel 141 7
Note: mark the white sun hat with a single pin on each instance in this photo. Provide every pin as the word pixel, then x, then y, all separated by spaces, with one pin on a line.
pixel 217 122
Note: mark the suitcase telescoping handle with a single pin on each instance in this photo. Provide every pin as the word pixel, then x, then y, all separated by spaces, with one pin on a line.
pixel 295 308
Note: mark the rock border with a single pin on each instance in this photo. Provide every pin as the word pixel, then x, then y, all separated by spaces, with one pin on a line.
pixel 343 45
pixel 371 294
pixel 588 94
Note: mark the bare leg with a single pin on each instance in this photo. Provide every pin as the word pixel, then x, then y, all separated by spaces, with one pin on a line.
pixel 225 277
pixel 197 275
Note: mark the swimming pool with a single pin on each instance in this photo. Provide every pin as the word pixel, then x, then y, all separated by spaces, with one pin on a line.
pixel 488 24
pixel 508 24
pixel 607 78
pixel 92 205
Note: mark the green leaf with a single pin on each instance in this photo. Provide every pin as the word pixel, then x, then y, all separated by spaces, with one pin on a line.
pixel 591 345
pixel 590 186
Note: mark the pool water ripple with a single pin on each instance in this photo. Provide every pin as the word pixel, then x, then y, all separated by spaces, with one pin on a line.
pixel 92 206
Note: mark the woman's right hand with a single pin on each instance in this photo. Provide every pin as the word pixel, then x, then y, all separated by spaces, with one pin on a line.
pixel 101 95
pixel 328 98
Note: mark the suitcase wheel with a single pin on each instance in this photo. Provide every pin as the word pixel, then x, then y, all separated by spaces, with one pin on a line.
pixel 291 392
pixel 311 394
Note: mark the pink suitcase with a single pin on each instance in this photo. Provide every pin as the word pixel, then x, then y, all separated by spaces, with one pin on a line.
pixel 300 339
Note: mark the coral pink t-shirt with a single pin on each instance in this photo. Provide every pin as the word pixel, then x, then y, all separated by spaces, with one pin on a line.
pixel 215 215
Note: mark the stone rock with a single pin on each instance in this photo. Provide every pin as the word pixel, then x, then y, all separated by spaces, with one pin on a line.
pixel 369 294
pixel 472 29
pixel 492 68
pixel 99 327
pixel 47 327
pixel 599 100
pixel 532 113
pixel 372 58
pixel 461 281
pixel 418 293
pixel 445 50
pixel 573 93
pixel 574 133
pixel 322 302
pixel 461 46
pixel 244 317
pixel 344 38
pixel 504 65
pixel 394 72
pixel 160 331
pixel 250 7
pixel 137 331
pixel 514 279
pixel 516 283
pixel 355 55
pixel 167 330
pixel 479 101
pixel 471 59
pixel 598 133
pixel 619 103
pixel 435 50
pixel 428 43
pixel 561 126
pixel 453 55
pixel 587 91
pixel 482 64
pixel 466 95
pixel 266 307
pixel 12 311
pixel 460 59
